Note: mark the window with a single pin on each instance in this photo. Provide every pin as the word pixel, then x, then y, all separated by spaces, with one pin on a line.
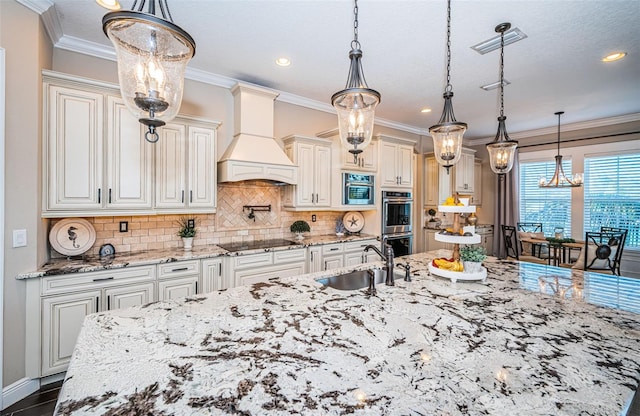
pixel 551 207
pixel 612 194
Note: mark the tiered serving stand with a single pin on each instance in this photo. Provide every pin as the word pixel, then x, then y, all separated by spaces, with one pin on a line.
pixel 457 239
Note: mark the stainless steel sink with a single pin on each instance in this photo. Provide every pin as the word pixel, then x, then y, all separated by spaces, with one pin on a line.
pixel 358 279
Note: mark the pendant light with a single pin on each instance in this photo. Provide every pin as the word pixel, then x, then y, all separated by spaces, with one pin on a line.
pixel 502 149
pixel 152 54
pixel 447 134
pixel 559 179
pixel 356 103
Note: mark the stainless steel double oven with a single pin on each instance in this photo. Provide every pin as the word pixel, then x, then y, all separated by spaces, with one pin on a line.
pixel 397 218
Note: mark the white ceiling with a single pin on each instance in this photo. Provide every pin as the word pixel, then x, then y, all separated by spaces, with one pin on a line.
pixel 556 68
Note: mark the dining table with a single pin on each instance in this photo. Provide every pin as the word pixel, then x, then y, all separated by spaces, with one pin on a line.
pixel 559 249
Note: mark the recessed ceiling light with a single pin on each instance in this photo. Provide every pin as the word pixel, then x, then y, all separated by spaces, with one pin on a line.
pixel 425 110
pixel 614 56
pixel 510 36
pixel 495 85
pixel 109 4
pixel 283 62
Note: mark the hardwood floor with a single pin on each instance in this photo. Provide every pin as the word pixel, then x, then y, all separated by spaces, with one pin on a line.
pixel 40 403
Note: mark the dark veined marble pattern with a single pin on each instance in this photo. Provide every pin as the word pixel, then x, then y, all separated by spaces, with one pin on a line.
pixel 531 340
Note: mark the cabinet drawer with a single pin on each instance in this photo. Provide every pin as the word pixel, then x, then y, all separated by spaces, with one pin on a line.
pixel 179 268
pixel 359 245
pixel 253 260
pixel 52 285
pixel 288 256
pixel 332 249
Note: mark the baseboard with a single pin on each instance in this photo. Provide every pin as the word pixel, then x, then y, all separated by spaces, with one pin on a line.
pixel 17 391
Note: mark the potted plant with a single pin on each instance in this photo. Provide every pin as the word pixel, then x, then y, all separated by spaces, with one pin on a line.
pixel 472 258
pixel 432 223
pixel 299 227
pixel 187 230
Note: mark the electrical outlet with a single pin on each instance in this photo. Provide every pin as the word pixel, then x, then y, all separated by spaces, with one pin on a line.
pixel 313 218
pixel 19 238
pixel 191 223
pixel 124 226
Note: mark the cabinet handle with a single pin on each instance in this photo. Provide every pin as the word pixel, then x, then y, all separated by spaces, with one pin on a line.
pixel 109 302
pixel 325 265
pixel 196 287
pixel 99 195
pixel 334 249
pixel 220 269
pixel 100 279
pixel 97 305
pixel 109 195
pixel 183 196
pixel 180 269
pixel 190 196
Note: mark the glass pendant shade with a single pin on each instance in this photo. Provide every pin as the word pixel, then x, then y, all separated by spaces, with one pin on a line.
pixel 502 150
pixel 355 106
pixel 447 136
pixel 152 55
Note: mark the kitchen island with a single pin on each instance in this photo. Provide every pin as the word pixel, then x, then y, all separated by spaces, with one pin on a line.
pixel 531 340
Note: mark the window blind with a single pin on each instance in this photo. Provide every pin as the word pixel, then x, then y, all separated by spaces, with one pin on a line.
pixel 551 207
pixel 612 194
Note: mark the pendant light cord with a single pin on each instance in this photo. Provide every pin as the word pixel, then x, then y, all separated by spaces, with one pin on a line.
pixel 502 73
pixel 448 86
pixel 559 114
pixel 355 44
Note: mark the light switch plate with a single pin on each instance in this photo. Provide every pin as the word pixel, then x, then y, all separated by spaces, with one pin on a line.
pixel 19 238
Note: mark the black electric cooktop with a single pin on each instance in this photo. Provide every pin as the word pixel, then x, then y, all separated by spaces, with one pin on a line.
pixel 257 245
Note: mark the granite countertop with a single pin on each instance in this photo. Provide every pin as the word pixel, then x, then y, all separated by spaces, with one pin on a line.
pixel 141 258
pixel 531 340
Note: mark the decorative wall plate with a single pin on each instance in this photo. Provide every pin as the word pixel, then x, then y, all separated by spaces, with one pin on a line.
pixel 107 250
pixel 353 221
pixel 72 236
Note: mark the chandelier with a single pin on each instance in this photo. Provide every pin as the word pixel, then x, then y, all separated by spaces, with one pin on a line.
pixel 447 134
pixel 356 103
pixel 559 179
pixel 152 54
pixel 502 149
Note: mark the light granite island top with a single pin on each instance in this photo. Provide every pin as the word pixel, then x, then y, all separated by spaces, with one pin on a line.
pixel 531 340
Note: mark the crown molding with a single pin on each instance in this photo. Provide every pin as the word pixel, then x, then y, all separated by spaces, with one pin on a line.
pixel 38 6
pixel 582 125
pixel 49 16
pixel 98 50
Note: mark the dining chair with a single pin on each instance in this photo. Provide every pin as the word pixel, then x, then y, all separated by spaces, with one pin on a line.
pixel 532 229
pixel 602 252
pixel 625 231
pixel 512 243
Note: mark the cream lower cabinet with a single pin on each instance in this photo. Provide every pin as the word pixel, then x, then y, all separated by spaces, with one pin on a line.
pixel 314 262
pixel 332 256
pixel 255 268
pixel 212 277
pixel 433 244
pixel 354 253
pixel 67 299
pixel 178 279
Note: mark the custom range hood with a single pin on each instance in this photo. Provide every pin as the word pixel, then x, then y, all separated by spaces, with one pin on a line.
pixel 254 154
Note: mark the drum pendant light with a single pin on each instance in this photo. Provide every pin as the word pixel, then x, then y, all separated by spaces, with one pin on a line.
pixel 152 54
pixel 356 103
pixel 447 134
pixel 502 149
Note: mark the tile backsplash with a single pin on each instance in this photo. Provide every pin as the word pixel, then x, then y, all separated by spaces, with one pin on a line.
pixel 231 223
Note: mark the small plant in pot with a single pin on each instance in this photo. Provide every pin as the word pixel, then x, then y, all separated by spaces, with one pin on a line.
pixel 472 258
pixel 187 230
pixel 299 227
pixel 432 223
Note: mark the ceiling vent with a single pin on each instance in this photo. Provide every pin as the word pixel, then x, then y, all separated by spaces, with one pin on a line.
pixel 495 85
pixel 510 36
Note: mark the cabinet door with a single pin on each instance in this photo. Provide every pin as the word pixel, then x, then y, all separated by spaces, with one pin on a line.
pixel 444 184
pixel 177 288
pixel 431 183
pixel 202 168
pixel 315 259
pixel 171 183
pixel 129 159
pixel 353 259
pixel 62 318
pixel 487 242
pixel 306 174
pixel 476 198
pixel 333 262
pixel 464 174
pixel 365 161
pixel 251 276
pixel 212 277
pixel 389 164
pixel 74 149
pixel 322 183
pixel 405 166
pixel 125 296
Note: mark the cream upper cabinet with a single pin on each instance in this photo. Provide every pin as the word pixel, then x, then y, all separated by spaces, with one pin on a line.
pixel 186 167
pixel 365 161
pixel 73 149
pixel 313 157
pixel 431 177
pixel 476 198
pixel 129 159
pixel 464 172
pixel 395 163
